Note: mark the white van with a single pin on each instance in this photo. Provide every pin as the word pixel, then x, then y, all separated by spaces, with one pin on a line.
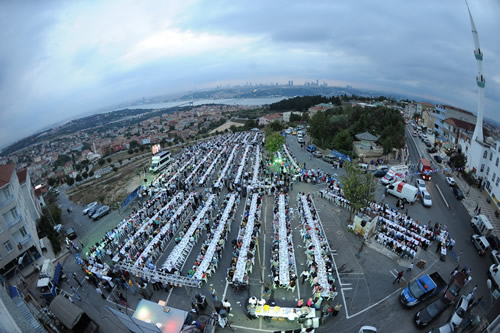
pixel 482 225
pixel 403 191
pixel 395 173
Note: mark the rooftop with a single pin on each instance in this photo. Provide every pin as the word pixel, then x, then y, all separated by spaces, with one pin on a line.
pixel 6 173
pixel 366 136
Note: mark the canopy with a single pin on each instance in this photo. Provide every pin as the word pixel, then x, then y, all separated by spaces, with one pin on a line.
pixel 68 313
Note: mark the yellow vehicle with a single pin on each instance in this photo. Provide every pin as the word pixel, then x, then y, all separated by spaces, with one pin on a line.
pixel 294 133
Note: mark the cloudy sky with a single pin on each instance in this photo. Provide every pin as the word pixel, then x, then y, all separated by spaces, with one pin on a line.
pixel 62 59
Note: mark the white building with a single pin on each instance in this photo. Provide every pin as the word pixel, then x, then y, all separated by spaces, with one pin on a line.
pixel 19 211
pixel 286 115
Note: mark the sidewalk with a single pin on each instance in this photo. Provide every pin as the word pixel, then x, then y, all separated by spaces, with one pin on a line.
pixel 474 197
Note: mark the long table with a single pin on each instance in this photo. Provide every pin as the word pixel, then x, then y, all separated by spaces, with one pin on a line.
pixel 215 239
pixel 239 272
pixel 283 242
pixel 289 313
pixel 318 257
pixel 174 256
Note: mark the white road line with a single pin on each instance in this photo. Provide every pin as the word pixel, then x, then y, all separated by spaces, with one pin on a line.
pixel 371 306
pixel 346 288
pixel 225 291
pixel 346 284
pixel 251 329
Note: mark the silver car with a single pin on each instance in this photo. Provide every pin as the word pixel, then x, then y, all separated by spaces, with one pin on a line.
pixel 89 207
pixel 420 185
pixel 101 212
pixel 426 199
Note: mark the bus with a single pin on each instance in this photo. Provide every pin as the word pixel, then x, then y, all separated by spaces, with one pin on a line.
pixel 425 169
pixel 159 161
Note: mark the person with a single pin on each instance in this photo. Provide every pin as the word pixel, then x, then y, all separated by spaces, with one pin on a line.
pixel 251 309
pixel 411 267
pixel 300 303
pixel 398 277
pixel 99 291
pixel 226 305
pixel 305 275
pixel 336 309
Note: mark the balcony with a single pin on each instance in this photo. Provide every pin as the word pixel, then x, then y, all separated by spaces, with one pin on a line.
pixel 12 223
pixel 7 201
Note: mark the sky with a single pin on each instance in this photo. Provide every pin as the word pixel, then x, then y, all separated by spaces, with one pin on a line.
pixel 62 59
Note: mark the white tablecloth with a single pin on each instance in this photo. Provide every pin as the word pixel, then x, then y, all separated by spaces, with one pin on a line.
pixel 215 240
pixel 242 165
pixel 239 272
pixel 255 176
pixel 283 242
pixel 227 166
pixel 318 257
pixel 176 253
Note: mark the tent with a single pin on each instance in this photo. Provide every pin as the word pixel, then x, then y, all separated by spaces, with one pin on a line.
pixel 68 313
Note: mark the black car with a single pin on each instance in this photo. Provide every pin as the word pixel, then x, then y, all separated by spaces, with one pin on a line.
pixel 428 144
pixel 431 312
pixel 438 158
pixel 458 193
pixel 70 233
pixel 379 173
pixel 432 150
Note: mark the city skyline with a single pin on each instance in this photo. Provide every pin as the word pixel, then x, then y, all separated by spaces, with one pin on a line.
pixel 70 59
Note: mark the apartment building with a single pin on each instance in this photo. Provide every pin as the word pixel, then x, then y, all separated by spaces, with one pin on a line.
pixel 19 210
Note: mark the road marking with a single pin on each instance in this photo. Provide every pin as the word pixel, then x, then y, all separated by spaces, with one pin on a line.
pixel 225 290
pixel 346 288
pixel 353 273
pixel 346 284
pixel 371 306
pixel 252 329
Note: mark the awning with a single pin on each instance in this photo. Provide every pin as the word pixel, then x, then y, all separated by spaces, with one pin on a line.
pixel 442 138
pixel 57 274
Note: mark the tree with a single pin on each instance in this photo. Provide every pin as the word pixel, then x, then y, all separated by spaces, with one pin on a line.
pixel 133 144
pixel 276 126
pixel 458 160
pixel 274 142
pixel 85 175
pixel 358 187
pixel 130 151
pixel 70 181
pixel 51 181
pixel 295 117
pixel 102 161
pixel 91 173
pixel 108 159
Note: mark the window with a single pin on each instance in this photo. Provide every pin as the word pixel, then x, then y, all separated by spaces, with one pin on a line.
pixel 5 194
pixel 8 246
pixel 496 163
pixel 485 154
pixel 482 168
pixel 497 182
pixel 488 171
pixel 11 215
pixel 23 232
pixel 493 178
pixel 491 156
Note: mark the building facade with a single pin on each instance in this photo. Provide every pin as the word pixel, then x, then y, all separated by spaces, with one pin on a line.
pixel 19 211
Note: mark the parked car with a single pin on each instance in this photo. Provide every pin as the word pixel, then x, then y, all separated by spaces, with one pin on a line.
pixel 432 150
pixel 379 173
pixel 480 243
pixel 317 154
pixel 311 148
pixel 420 185
pixel 426 199
pixel 495 256
pixel 300 140
pixel 367 329
pixel 89 207
pixel 329 159
pixel 70 233
pixel 93 210
pixel 455 286
pixel 438 158
pixel 431 312
pixel 446 328
pixel 428 144
pixel 458 193
pixel 451 181
pixel 101 212
pixel 460 311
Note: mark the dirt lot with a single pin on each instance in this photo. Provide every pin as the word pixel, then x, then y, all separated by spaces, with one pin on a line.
pixel 225 126
pixel 113 187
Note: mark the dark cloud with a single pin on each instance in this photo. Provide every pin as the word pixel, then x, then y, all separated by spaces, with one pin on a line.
pixel 60 60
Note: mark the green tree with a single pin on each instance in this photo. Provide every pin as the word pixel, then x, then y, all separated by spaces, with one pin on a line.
pixel 51 181
pixel 295 117
pixel 91 173
pixel 70 181
pixel 358 187
pixel 102 161
pixel 276 126
pixel 274 142
pixel 78 178
pixel 320 128
pixel 85 175
pixel 108 159
pixel 133 144
pixel 130 151
pixel 458 160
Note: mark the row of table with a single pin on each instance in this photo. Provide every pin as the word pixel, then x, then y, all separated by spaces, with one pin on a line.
pixel 242 165
pixel 239 272
pixel 176 253
pixel 216 237
pixel 227 166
